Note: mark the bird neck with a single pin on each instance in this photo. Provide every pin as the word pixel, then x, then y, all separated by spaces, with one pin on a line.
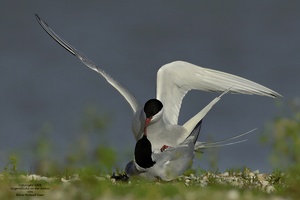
pixel 156 125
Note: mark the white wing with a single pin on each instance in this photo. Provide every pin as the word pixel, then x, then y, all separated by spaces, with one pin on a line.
pixel 175 79
pixel 126 94
pixel 191 123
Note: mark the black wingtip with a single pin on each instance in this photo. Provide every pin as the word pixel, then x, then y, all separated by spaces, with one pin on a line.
pixel 52 34
pixel 40 20
pixel 196 131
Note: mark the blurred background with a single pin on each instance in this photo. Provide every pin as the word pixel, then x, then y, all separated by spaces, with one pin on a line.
pixel 51 105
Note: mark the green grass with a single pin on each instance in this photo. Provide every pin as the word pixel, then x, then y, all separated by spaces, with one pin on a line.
pixel 92 183
pixel 83 176
pixel 89 187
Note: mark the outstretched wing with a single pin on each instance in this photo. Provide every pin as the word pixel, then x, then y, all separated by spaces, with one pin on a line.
pixel 175 79
pixel 126 94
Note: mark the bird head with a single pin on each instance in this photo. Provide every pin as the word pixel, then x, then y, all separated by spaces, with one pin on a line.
pixel 153 110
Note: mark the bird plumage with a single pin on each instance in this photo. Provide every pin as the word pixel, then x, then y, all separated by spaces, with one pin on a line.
pixel 174 80
pixel 168 164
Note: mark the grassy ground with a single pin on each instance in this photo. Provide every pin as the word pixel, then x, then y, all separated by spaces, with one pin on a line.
pixel 83 178
pixel 228 185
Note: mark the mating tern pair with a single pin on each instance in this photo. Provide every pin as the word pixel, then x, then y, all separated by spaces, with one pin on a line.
pixel 165 149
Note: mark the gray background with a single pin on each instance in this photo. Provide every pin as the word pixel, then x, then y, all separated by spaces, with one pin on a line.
pixel 41 84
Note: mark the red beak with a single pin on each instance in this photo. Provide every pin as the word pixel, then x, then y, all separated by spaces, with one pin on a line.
pixel 147 122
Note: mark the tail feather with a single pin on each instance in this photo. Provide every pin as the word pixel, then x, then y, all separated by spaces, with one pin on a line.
pixel 206 145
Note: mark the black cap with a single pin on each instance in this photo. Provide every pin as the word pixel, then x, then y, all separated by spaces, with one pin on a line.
pixel 143 153
pixel 152 107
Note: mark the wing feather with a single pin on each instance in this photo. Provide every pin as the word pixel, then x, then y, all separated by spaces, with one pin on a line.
pixel 175 79
pixel 119 87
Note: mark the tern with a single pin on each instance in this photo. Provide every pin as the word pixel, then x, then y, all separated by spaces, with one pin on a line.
pixel 170 162
pixel 164 165
pixel 158 117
